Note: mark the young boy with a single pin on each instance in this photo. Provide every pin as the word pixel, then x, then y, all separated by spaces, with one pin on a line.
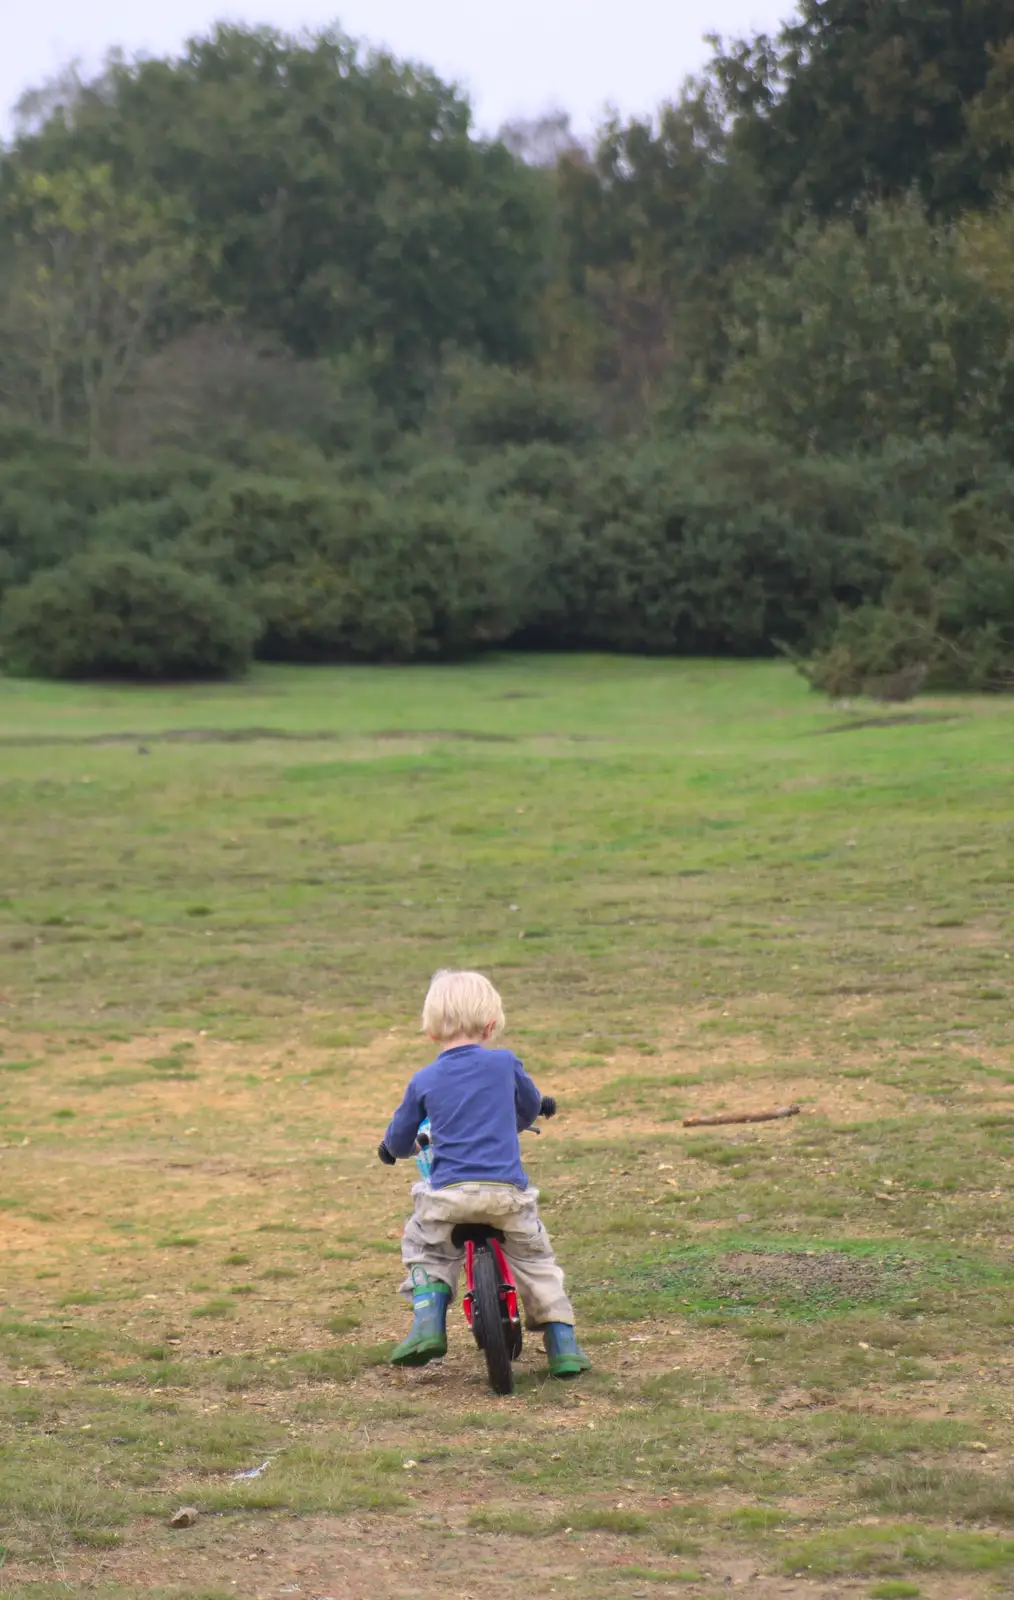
pixel 477 1100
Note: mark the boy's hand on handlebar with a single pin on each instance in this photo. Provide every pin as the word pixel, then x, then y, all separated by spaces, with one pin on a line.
pixel 385 1155
pixel 548 1107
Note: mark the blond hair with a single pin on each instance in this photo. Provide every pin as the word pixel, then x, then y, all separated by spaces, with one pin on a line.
pixel 461 1005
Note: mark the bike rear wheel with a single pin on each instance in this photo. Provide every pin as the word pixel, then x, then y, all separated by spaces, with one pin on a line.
pixel 487 1312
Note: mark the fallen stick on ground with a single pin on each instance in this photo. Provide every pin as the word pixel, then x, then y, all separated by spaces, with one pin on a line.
pixel 741 1116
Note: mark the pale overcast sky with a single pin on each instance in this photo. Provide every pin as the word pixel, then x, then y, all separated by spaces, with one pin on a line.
pixel 514 59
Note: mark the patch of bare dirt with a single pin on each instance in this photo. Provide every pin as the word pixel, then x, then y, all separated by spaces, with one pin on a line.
pixel 803 1271
pixel 252 735
pixel 433 1554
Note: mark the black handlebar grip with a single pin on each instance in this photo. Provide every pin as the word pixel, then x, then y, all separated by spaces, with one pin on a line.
pixel 385 1155
pixel 548 1107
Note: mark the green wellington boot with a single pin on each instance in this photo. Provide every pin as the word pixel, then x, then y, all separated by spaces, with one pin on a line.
pixel 427 1337
pixel 566 1358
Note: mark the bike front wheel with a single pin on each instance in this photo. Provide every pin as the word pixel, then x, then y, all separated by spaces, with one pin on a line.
pixel 486 1310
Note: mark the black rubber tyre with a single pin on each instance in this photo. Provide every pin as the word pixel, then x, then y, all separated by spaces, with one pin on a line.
pixel 486 1308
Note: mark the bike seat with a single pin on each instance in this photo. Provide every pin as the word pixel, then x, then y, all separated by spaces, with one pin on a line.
pixel 475 1233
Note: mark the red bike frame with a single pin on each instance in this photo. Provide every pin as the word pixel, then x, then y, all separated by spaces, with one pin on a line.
pixel 508 1293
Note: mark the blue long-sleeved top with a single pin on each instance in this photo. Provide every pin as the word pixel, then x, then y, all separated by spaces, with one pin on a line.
pixel 477 1100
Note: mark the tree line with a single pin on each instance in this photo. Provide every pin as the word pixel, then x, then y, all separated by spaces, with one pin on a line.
pixel 293 363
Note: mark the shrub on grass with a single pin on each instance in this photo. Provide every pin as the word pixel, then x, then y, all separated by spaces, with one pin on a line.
pixel 340 574
pixel 108 614
pixel 713 546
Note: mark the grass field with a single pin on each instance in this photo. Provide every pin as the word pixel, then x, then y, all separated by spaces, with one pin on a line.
pixel 700 888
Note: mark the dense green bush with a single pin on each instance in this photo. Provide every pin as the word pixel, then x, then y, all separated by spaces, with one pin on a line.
pixel 488 408
pixel 55 503
pixel 35 532
pixel 150 526
pixel 869 645
pixel 946 544
pixel 21 440
pixel 541 471
pixel 716 545
pixel 123 615
pixel 348 573
pixel 891 653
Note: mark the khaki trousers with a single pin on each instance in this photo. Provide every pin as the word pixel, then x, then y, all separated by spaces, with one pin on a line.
pixel 426 1243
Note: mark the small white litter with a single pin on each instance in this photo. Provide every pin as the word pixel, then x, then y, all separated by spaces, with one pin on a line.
pixel 252 1472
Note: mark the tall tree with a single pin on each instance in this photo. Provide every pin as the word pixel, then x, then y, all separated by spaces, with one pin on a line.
pixel 656 223
pixel 91 270
pixel 853 338
pixel 340 198
pixel 863 98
